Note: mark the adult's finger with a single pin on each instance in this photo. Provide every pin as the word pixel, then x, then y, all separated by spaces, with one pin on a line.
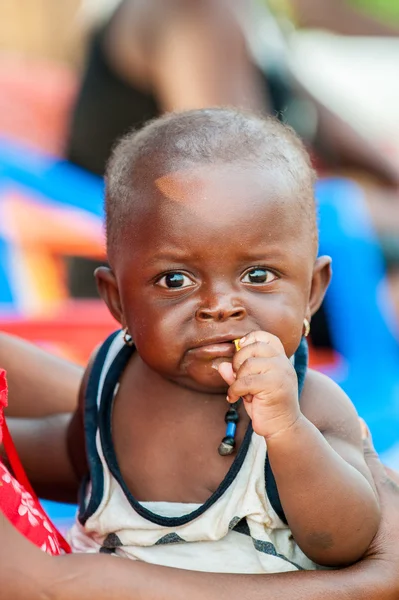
pixel 372 458
pixel 375 465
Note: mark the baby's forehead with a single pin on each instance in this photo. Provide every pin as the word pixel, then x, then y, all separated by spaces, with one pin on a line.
pixel 233 198
pixel 227 185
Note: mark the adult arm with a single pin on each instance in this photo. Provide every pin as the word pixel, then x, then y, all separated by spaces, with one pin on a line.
pixel 40 384
pixel 346 149
pixel 44 390
pixel 84 577
pixel 43 448
pixel 189 53
pixel 193 54
pixel 52 448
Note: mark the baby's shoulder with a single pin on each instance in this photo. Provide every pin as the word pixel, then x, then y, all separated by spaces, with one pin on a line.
pixel 326 405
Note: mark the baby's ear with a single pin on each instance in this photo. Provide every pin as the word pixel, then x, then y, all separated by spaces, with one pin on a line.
pixel 108 289
pixel 320 280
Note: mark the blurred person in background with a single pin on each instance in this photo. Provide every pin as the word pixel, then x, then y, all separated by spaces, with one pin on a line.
pixel 361 21
pixel 146 57
pixel 346 51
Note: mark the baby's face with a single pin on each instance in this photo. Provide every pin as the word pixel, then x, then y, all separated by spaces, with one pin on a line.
pixel 215 254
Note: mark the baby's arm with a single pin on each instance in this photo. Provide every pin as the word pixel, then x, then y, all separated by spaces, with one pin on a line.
pixel 316 455
pixel 324 483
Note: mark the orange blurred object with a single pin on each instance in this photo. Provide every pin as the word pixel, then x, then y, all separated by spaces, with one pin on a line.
pixel 322 358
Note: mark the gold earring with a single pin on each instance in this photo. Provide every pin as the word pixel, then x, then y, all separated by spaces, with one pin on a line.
pixel 306 327
pixel 127 338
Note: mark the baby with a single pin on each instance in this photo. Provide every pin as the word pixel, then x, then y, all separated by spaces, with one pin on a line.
pixel 212 238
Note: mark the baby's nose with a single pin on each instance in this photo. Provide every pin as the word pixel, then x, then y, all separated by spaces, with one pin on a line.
pixel 220 313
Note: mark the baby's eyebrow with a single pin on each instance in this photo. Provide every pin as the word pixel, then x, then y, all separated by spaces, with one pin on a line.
pixel 268 252
pixel 171 256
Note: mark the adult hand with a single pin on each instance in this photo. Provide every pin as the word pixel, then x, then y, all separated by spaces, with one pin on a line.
pixel 384 550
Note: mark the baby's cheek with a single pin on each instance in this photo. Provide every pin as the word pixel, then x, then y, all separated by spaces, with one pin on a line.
pixel 145 337
pixel 155 348
pixel 291 334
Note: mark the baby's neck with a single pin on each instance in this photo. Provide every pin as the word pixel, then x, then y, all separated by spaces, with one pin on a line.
pixel 167 436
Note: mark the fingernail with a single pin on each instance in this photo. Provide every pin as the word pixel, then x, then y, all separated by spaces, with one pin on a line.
pixel 242 340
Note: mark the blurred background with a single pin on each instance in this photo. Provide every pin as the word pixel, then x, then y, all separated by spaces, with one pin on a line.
pixel 77 74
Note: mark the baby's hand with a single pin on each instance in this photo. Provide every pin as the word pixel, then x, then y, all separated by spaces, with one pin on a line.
pixel 263 375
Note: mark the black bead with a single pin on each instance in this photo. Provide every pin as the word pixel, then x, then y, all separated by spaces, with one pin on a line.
pixel 227 446
pixel 232 416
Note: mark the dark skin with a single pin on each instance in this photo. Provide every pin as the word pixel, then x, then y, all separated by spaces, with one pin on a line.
pixel 57 391
pixel 104 578
pixel 43 391
pixel 219 254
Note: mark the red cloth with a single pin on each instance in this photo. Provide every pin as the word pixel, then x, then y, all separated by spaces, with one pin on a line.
pixel 18 502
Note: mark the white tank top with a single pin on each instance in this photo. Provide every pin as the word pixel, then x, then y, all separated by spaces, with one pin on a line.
pixel 239 529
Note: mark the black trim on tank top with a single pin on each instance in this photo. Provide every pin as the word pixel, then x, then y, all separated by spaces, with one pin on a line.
pixel 300 365
pixel 96 475
pixel 111 460
pixel 101 418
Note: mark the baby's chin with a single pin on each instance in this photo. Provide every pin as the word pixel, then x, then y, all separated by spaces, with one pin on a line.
pixel 204 378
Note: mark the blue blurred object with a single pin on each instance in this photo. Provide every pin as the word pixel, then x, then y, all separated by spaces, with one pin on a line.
pixel 58 510
pixel 51 182
pixel 359 311
pixel 56 180
pixel 62 515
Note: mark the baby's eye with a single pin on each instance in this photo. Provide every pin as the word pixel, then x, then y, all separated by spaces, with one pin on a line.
pixel 259 275
pixel 175 280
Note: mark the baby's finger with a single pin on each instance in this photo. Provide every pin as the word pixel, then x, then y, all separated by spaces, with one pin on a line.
pixel 255 349
pixel 261 336
pixel 255 365
pixel 226 371
pixel 246 387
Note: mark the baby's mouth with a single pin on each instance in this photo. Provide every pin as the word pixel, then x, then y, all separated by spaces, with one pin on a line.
pixel 214 351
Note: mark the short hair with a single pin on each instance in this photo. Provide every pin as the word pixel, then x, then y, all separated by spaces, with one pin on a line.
pixel 204 136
